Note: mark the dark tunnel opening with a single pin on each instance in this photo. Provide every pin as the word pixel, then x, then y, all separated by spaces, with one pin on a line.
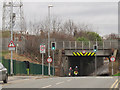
pixel 85 65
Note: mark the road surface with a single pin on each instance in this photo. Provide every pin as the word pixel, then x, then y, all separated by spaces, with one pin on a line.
pixel 65 82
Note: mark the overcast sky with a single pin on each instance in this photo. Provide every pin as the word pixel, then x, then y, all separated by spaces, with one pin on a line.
pixel 103 16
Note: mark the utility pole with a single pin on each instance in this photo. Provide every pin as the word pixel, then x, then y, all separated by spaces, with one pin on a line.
pixel 9 21
pixel 49 28
pixel 17 8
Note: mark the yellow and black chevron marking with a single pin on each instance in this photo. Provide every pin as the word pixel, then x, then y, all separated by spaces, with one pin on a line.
pixel 115 85
pixel 85 54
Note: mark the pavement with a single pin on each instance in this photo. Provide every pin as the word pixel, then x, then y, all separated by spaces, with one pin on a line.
pixel 15 78
pixel 65 82
pixel 103 69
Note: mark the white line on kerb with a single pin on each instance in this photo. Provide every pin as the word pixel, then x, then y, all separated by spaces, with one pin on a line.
pixel 59 83
pixel 47 86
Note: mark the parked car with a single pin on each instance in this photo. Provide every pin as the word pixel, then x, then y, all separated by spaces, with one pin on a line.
pixel 3 74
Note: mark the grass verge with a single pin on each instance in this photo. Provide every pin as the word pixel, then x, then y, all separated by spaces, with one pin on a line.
pixel 117 74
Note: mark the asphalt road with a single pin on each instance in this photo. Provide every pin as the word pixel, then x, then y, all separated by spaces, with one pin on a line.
pixel 65 82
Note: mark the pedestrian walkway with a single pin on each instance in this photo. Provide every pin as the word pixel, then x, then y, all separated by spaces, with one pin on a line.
pixel 14 78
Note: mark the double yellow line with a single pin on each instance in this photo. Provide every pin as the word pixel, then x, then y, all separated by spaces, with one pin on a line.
pixel 115 84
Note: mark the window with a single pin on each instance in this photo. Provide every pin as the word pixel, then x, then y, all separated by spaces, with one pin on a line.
pixel 1 66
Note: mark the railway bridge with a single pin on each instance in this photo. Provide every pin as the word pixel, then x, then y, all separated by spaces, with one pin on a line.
pixel 82 54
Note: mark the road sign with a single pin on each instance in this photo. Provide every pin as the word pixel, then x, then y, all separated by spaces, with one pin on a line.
pixel 13 48
pixel 83 51
pixel 11 44
pixel 49 60
pixel 112 59
pixel 42 48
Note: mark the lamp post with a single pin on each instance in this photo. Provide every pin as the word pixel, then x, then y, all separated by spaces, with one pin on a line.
pixel 11 27
pixel 49 28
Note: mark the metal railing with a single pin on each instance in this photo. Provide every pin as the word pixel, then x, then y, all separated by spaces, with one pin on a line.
pixel 86 44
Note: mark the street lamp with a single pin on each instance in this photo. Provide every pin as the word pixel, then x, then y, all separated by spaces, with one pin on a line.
pixel 49 6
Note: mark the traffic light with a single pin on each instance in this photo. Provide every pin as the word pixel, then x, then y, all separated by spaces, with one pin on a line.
pixel 53 45
pixel 95 47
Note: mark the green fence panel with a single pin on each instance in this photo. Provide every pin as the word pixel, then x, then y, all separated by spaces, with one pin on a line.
pixel 17 67
pixel 35 69
pixel 20 67
pixel 51 70
pixel 14 67
pixel 31 68
pixel 23 68
pixel 6 64
pixel 45 70
pixel 40 69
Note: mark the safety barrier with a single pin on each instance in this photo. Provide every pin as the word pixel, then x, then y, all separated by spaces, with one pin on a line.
pixel 106 44
pixel 83 54
pixel 19 67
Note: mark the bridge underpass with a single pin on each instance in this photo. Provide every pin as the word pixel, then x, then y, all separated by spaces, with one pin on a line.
pixel 86 64
pixel 105 49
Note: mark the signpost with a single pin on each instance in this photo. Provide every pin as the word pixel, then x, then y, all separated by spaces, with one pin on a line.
pixel 42 51
pixel 11 47
pixel 112 59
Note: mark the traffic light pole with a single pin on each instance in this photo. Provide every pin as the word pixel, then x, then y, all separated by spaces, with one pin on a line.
pixel 53 47
pixel 53 64
pixel 96 59
pixel 95 65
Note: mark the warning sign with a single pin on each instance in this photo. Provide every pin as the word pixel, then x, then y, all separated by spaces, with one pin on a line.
pixel 11 44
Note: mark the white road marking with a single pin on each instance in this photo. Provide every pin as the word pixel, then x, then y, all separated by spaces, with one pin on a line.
pixel 59 83
pixel 89 77
pixel 104 77
pixel 47 86
pixel 68 80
